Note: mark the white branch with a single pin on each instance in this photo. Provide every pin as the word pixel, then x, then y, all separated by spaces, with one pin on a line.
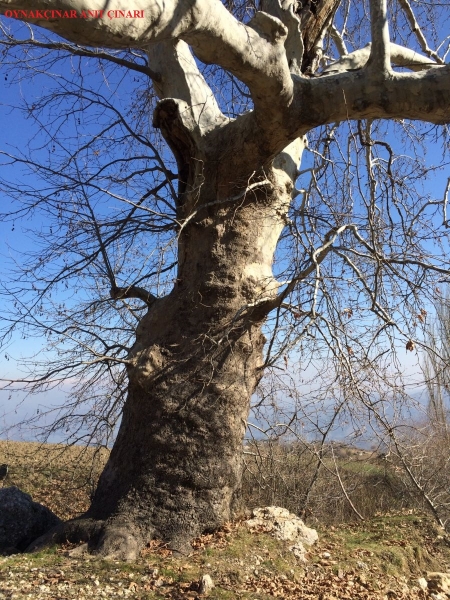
pixel 418 32
pixel 254 53
pixel 286 106
pixel 379 56
pixel 338 40
pixel 284 10
pixel 400 56
pixel 179 77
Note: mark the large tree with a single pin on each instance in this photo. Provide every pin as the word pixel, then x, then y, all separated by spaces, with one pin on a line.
pixel 198 349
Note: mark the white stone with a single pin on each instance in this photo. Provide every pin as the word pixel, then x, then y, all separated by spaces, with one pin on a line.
pixel 206 584
pixel 282 524
pixel 298 550
pixel 422 583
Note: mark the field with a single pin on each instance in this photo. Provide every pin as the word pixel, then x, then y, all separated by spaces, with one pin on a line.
pixel 382 557
pixel 53 474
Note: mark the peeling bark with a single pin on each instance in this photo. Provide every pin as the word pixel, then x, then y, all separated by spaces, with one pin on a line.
pixel 176 466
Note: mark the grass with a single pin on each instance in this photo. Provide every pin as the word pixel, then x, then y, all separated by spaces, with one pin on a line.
pixel 350 560
pixel 399 544
pixel 52 473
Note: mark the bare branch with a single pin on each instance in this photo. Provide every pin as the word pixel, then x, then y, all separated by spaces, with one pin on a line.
pixel 76 50
pixel 294 43
pixel 338 40
pixel 120 293
pixel 415 27
pixel 179 77
pixel 400 56
pixel 215 35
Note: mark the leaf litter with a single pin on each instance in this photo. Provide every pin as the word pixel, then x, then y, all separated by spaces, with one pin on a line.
pixel 382 558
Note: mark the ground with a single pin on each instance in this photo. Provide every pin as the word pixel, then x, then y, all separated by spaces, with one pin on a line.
pixel 380 558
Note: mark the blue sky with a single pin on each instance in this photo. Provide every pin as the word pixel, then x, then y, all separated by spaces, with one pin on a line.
pixel 16 131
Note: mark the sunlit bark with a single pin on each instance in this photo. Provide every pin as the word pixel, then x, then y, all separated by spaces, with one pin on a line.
pixel 176 466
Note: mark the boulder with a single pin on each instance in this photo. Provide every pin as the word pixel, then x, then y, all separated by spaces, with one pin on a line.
pixel 283 525
pixel 22 520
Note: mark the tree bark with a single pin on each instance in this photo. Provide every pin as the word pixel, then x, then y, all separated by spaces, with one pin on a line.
pixel 175 469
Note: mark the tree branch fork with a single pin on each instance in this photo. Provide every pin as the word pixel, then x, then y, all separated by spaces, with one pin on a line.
pixel 285 105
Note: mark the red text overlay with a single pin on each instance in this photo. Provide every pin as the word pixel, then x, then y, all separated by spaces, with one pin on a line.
pixel 50 14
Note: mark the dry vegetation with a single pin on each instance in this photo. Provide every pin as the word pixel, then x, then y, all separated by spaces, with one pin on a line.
pixel 58 476
pixel 333 483
pixel 329 485
pixel 382 557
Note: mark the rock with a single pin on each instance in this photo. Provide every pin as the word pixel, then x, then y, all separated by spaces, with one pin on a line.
pixel 3 471
pixel 298 550
pixel 438 582
pixel 282 524
pixel 206 584
pixel 422 583
pixel 8 551
pixel 22 520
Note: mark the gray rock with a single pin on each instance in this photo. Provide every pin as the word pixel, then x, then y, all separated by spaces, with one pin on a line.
pixel 298 550
pixel 22 520
pixel 282 524
pixel 79 551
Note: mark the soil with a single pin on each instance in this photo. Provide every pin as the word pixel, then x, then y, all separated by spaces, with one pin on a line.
pixel 385 557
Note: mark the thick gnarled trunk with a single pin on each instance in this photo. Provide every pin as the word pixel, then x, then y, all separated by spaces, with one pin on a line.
pixel 176 466
pixel 175 469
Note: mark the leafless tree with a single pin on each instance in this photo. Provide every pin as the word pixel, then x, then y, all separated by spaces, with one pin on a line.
pixel 422 449
pixel 437 369
pixel 169 289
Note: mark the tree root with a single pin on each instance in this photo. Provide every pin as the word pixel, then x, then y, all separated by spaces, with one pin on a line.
pixel 117 541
